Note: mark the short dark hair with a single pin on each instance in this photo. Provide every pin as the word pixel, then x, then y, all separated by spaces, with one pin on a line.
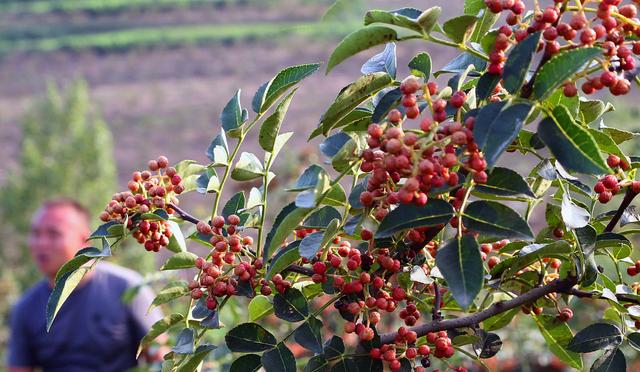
pixel 71 203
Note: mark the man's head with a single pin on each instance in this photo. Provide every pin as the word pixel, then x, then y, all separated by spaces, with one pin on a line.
pixel 58 230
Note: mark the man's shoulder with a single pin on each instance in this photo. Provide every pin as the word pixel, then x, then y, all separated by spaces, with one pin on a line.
pixel 39 292
pixel 118 274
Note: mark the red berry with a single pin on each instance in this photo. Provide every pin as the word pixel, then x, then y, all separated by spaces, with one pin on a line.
pixel 613 161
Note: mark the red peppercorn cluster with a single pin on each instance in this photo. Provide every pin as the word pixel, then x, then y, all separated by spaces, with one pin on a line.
pixel 609 24
pixel 633 270
pixel 487 248
pixel 425 160
pixel 155 188
pixel 224 269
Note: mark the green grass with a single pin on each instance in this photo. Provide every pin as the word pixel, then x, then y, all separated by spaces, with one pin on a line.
pixel 175 35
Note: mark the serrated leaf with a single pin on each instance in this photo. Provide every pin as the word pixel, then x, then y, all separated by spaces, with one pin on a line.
pixel 231 116
pixel 594 337
pixel 519 62
pixel 560 68
pixel 290 305
pixel 496 220
pixel 309 335
pixel 429 18
pixel 557 335
pixel 249 337
pixel 247 363
pixel 64 286
pixel 382 62
pixel 420 65
pixel 192 362
pixel 271 126
pixel 184 342
pixel 247 168
pixel 158 328
pixel 611 360
pixel 408 216
pixel 286 221
pixel 571 144
pixel 181 260
pixel 460 263
pixel 486 20
pixel 270 91
pixel 170 292
pixel 497 126
pixel 283 258
pixel 359 41
pixel 259 307
pixel 392 18
pixel 573 216
pixel 351 97
pixel 505 182
pixel 234 204
pixel 459 29
pixel 279 359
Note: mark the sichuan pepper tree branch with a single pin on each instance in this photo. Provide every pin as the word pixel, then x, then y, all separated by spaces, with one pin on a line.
pixel 557 286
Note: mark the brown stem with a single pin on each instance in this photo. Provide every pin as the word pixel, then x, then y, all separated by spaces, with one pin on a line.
pixel 628 198
pixel 184 215
pixel 436 315
pixel 558 285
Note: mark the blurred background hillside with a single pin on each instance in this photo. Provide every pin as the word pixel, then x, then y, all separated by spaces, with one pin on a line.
pixel 90 90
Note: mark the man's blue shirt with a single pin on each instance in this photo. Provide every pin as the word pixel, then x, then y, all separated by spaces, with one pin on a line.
pixel 93 331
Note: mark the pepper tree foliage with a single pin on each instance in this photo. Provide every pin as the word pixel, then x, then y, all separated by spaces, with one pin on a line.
pixel 412 216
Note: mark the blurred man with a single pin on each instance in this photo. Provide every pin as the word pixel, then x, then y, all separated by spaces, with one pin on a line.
pixel 94 330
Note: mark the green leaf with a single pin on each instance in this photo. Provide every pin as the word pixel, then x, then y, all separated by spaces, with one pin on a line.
pixel 177 243
pixel 357 120
pixel 505 182
pixel 181 260
pixel 461 265
pixel 391 18
pixel 158 328
pixel 283 258
pixel 607 144
pixel 217 152
pixel 270 91
pixel 561 67
pixel 192 362
pixel 486 21
pixel 519 62
pixel 557 335
pixel 500 320
pixel 247 363
pixel 233 205
pixel 231 116
pixel 591 110
pixel 317 363
pixel 334 347
pixel 308 179
pixel 321 218
pixel 351 97
pixel 185 342
pixel 279 359
pixel 259 307
pixel 64 286
pixel 634 340
pixel 473 7
pixel 248 168
pixel 486 85
pixel 495 220
pixel 170 292
pixel 612 360
pixel 318 241
pixel 460 28
pixel 497 126
pixel 287 220
pixel 249 337
pixel 573 216
pixel 429 18
pixel 420 65
pixel 358 41
pixel 290 305
pixel 409 216
pixel 309 335
pixel 571 144
pixel 271 125
pixel 530 254
pixel 595 337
